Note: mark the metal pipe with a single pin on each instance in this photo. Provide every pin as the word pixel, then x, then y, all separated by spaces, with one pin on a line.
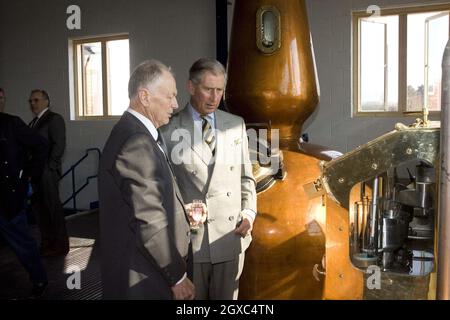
pixel 373 217
pixel 358 209
pixel 362 191
pixel 358 216
pixel 443 269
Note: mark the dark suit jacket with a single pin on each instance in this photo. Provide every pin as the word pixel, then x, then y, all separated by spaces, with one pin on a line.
pixel 52 127
pixel 22 156
pixel 144 231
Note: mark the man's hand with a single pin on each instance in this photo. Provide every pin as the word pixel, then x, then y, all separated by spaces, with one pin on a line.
pixel 185 290
pixel 244 228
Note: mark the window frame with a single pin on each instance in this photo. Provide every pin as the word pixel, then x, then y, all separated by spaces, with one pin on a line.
pixel 402 13
pixel 78 93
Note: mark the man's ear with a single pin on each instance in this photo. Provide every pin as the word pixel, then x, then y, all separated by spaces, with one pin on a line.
pixel 191 87
pixel 144 97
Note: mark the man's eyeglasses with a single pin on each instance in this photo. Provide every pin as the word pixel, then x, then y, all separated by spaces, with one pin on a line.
pixel 34 100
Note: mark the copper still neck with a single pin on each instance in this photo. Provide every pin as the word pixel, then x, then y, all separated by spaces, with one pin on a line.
pixel 271 72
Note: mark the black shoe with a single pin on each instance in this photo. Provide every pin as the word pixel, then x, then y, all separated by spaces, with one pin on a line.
pixel 38 290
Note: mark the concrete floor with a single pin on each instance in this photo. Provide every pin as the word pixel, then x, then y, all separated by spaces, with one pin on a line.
pixel 83 231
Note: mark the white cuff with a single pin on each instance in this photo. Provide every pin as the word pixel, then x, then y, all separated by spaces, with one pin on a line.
pixel 249 214
pixel 182 279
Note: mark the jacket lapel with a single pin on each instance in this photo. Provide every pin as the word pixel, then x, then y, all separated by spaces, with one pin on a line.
pixel 221 146
pixel 39 122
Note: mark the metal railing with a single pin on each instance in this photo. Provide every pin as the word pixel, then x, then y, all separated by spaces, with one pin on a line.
pixel 75 191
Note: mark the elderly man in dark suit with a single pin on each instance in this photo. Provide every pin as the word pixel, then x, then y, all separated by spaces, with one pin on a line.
pixel 47 204
pixel 144 230
pixel 22 158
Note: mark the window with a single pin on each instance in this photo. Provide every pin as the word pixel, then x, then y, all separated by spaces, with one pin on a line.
pixel 397 60
pixel 101 73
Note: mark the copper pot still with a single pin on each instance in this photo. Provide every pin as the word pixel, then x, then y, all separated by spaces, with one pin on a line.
pixel 272 84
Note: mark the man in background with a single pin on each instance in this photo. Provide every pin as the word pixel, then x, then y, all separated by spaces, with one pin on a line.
pixel 46 202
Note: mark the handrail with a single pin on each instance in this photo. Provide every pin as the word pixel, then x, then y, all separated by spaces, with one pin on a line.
pixel 79 161
pixel 74 194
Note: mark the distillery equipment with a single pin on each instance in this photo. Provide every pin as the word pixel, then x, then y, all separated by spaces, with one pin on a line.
pixel 370 224
pixel 272 85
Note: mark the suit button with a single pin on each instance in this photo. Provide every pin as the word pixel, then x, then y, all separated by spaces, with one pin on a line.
pixel 13 190
pixel 7 177
pixel 228 194
pixel 231 168
pixel 194 173
pixel 6 162
pixel 231 218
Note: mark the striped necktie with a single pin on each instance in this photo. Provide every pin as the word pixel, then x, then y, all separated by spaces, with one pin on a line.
pixel 208 134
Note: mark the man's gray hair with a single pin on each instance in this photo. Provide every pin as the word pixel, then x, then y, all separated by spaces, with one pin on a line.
pixel 145 74
pixel 203 65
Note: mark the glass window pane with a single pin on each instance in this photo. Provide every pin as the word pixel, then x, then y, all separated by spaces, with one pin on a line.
pixel 92 79
pixel 416 57
pixel 392 62
pixel 379 64
pixel 372 66
pixel 437 39
pixel 118 75
pixel 416 61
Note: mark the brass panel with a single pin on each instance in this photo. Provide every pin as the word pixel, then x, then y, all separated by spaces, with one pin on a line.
pixel 376 157
pixel 342 280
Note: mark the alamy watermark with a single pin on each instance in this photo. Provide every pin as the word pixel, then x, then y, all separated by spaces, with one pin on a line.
pixel 74 280
pixel 73 22
pixel 374 10
pixel 374 280
pixel 185 146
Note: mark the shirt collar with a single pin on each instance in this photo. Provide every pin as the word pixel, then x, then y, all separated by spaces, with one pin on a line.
pixel 146 122
pixel 197 117
pixel 41 113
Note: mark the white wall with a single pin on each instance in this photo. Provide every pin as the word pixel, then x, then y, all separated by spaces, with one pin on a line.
pixel 34 54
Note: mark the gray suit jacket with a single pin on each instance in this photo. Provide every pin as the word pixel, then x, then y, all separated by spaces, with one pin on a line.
pixel 229 189
pixel 144 230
